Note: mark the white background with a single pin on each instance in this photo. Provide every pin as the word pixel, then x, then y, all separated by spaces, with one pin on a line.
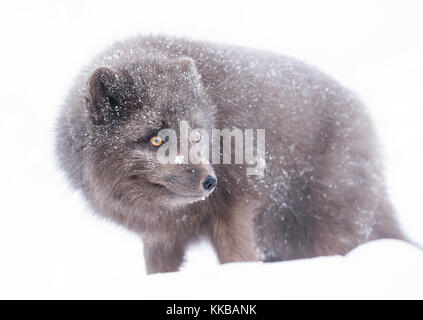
pixel 52 246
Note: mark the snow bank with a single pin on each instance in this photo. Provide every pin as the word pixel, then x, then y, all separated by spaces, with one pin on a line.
pixel 380 269
pixel 384 269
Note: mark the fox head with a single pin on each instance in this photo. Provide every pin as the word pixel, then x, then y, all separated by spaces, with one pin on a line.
pixel 128 108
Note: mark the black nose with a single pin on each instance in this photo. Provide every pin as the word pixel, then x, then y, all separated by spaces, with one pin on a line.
pixel 209 183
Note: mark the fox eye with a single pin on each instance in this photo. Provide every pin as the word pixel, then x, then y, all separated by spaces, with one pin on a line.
pixel 195 136
pixel 156 141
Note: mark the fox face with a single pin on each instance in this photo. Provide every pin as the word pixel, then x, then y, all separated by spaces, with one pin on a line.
pixel 129 108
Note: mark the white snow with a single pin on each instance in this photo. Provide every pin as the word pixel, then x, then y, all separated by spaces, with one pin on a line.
pixel 385 269
pixel 51 246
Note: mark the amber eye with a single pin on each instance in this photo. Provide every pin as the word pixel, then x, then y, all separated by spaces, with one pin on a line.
pixel 156 141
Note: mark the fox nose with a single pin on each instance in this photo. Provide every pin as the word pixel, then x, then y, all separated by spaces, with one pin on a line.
pixel 209 183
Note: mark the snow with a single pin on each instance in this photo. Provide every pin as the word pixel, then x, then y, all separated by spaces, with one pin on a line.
pixel 51 246
pixel 385 269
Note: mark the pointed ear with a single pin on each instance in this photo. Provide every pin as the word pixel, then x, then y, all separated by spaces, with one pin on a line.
pixel 109 93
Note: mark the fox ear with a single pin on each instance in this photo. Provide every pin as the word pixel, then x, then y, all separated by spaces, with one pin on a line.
pixel 109 92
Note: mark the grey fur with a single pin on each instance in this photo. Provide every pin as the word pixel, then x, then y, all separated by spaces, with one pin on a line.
pixel 322 193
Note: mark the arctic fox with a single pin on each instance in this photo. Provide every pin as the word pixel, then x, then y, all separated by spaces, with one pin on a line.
pixel 321 191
